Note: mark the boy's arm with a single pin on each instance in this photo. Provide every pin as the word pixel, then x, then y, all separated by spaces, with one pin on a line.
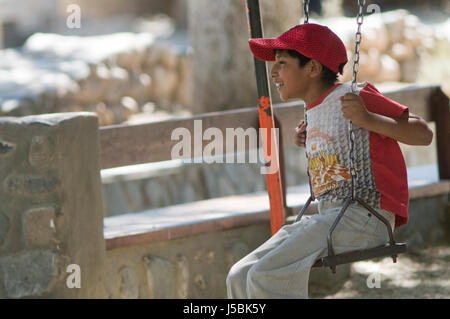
pixel 300 134
pixel 408 128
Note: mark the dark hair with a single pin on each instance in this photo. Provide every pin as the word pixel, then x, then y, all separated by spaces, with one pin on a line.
pixel 328 76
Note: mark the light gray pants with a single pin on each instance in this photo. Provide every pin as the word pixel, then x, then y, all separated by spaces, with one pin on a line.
pixel 280 267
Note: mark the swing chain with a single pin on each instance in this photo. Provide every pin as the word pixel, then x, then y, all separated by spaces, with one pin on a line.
pixel 312 197
pixel 306 10
pixel 352 162
pixel 397 248
pixel 358 38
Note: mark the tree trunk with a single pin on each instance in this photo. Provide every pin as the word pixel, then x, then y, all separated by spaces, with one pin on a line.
pixel 223 74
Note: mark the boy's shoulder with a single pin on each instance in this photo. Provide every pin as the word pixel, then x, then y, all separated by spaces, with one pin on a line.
pixel 339 90
pixel 372 98
pixel 346 87
pixel 376 102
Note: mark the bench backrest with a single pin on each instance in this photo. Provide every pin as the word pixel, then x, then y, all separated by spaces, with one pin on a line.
pixel 127 144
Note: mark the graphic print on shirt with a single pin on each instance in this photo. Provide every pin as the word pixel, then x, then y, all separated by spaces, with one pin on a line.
pixel 325 170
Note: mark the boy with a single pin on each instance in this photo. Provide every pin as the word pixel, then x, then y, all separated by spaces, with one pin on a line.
pixel 308 59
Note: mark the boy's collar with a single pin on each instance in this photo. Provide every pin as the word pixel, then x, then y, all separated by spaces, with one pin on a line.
pixel 320 99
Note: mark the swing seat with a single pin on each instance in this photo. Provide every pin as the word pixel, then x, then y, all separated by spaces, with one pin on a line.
pixel 332 260
pixel 362 254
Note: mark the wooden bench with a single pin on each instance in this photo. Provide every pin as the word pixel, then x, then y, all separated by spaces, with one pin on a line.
pixel 123 145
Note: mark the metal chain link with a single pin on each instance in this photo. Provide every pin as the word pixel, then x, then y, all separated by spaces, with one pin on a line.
pixel 306 20
pixel 351 131
pixel 307 159
pixel 358 38
pixel 306 11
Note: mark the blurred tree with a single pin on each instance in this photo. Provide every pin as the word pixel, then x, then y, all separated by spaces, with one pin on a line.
pixel 222 64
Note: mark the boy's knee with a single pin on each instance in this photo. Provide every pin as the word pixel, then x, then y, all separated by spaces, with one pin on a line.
pixel 230 278
pixel 254 272
pixel 256 282
pixel 236 282
pixel 234 274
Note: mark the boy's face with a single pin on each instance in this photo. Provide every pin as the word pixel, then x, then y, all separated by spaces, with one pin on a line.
pixel 291 79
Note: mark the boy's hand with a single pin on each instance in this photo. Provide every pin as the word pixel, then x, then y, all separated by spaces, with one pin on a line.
pixel 300 134
pixel 354 110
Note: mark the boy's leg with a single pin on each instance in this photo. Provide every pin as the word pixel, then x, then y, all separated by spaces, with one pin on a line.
pixel 358 228
pixel 308 237
pixel 284 271
pixel 237 276
pixel 280 267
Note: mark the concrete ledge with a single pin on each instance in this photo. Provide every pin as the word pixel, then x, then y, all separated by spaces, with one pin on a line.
pixel 197 217
pixel 180 221
pixel 218 214
pixel 428 190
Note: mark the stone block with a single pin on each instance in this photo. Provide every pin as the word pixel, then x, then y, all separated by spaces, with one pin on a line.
pixel 160 277
pixel 42 152
pixel 6 148
pixel 4 228
pixel 181 277
pixel 28 274
pixel 200 281
pixel 38 226
pixel 129 284
pixel 29 185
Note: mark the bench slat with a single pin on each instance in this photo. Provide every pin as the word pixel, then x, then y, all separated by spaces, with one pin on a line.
pixel 216 214
pixel 127 144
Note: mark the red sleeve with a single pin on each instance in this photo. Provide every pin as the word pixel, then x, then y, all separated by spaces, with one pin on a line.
pixel 375 102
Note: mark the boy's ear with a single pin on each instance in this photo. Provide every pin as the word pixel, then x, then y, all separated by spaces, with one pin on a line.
pixel 315 68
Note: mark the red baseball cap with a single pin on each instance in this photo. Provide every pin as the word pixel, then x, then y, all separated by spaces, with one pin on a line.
pixel 314 41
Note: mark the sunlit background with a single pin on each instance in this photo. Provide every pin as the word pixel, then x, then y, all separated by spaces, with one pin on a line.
pixel 138 61
pixel 148 60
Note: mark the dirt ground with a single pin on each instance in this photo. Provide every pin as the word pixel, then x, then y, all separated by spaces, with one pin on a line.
pixel 423 274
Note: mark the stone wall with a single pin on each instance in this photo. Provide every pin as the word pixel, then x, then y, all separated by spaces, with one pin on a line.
pixel 159 73
pixel 51 218
pixel 55 73
pixel 197 266
pixel 50 206
pixel 192 267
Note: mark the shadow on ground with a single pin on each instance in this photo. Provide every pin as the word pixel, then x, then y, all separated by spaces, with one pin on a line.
pixel 417 274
